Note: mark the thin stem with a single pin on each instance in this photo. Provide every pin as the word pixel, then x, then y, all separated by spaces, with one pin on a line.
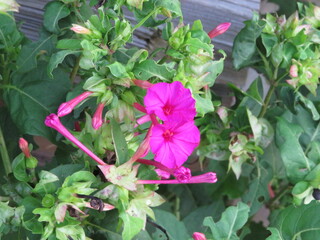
pixel 4 154
pixel 75 70
pixel 267 100
pixel 177 208
pixel 98 227
pixel 145 19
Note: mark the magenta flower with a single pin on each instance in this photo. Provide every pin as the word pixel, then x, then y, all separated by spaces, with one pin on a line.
pixel 67 107
pixel 53 121
pixel 220 29
pixel 97 117
pixel 173 141
pixel 182 174
pixel 170 100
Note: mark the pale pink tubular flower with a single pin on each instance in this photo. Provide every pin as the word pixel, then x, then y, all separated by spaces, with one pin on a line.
pixel 209 177
pixel 142 83
pixel 220 29
pixel 23 145
pixel 198 236
pixel 67 107
pixel 97 120
pixel 170 100
pixel 173 142
pixel 53 121
pixel 80 30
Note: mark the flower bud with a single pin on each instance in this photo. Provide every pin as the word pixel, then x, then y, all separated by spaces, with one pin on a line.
pixel 67 107
pixel 198 236
pixel 23 145
pixel 80 30
pixel 220 29
pixel 293 71
pixel 97 120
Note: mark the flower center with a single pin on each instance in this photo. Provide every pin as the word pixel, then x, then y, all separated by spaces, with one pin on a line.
pixel 167 135
pixel 167 109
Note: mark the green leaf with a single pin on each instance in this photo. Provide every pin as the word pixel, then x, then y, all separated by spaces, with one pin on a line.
pixel 203 105
pixel 170 5
pixel 33 96
pixel 277 55
pixel 295 161
pixel 54 12
pixel 27 59
pixel 19 168
pixel 310 105
pixel 120 143
pixel 46 183
pixel 269 41
pixel 294 223
pixel 131 226
pixel 244 52
pixel 255 90
pixel 118 70
pixel 232 219
pixel 149 68
pixel 70 231
pixel 70 44
pixel 58 58
pixel 9 33
pixel 175 229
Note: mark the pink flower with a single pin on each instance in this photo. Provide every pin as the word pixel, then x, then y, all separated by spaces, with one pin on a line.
pixel 198 236
pixel 173 141
pixel 97 117
pixel 23 145
pixel 170 100
pixel 67 107
pixel 53 121
pixel 220 29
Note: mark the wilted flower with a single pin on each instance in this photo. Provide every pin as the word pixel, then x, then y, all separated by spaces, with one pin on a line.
pixel 170 100
pixel 173 142
pixel 220 29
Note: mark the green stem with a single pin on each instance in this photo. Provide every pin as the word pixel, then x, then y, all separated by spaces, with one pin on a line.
pixel 5 155
pixel 267 100
pixel 98 227
pixel 177 208
pixel 75 69
pixel 145 19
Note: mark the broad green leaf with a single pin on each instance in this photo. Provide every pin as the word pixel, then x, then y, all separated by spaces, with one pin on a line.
pixel 46 183
pixel 244 52
pixel 58 58
pixel 136 3
pixel 255 90
pixel 70 231
pixel 269 41
pixel 295 161
pixel 9 34
pixel 63 171
pixel 149 68
pixel 70 44
pixel 170 5
pixel 176 230
pixel 19 168
pixel 203 105
pixel 30 221
pixel 27 59
pixel 33 96
pixel 120 143
pixel 118 70
pixel 131 226
pixel 54 12
pixel 277 55
pixel 232 219
pixel 294 223
pixel 310 105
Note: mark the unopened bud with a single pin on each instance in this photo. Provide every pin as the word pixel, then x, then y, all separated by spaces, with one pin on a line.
pixel 293 71
pixel 97 120
pixel 220 29
pixel 23 145
pixel 198 236
pixel 80 30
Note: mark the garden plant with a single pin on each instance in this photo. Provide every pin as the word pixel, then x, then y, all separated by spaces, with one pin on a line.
pixel 146 148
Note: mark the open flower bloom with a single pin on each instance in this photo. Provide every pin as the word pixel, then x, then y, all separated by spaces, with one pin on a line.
pixel 170 100
pixel 173 142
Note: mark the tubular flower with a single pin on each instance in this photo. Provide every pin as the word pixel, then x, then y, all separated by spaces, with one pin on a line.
pixel 209 177
pixel 97 117
pixel 173 142
pixel 220 29
pixel 53 121
pixel 142 83
pixel 67 107
pixel 170 100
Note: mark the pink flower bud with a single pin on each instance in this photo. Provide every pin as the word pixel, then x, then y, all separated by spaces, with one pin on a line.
pixel 67 107
pixel 53 121
pixel 23 145
pixel 198 236
pixel 293 82
pixel 97 117
pixel 142 83
pixel 182 174
pixel 220 29
pixel 80 30
pixel 293 71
